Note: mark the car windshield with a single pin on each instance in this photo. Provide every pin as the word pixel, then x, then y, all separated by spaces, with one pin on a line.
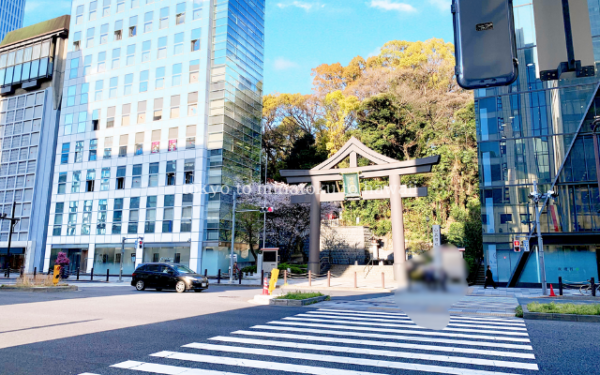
pixel 183 269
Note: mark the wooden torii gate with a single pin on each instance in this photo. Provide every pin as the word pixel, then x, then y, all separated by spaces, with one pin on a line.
pixel 384 167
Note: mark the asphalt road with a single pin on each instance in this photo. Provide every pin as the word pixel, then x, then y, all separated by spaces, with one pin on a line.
pixel 109 335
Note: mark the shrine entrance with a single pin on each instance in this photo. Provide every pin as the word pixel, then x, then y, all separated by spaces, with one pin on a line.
pixel 383 167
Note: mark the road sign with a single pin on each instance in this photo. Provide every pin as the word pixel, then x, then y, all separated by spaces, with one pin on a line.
pixel 437 236
pixel 526 246
pixel 517 246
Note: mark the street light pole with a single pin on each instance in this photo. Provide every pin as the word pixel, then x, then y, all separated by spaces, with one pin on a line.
pixel 123 254
pixel 536 197
pixel 265 214
pixel 232 237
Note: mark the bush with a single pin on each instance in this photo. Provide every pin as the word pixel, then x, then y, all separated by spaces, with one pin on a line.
pixel 519 312
pixel 249 269
pixel 294 268
pixel 564 308
pixel 300 295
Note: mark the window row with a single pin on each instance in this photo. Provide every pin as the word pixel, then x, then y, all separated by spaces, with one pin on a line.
pixel 25 54
pixel 17 128
pixel 10 196
pixel 21 101
pixel 17 182
pixel 7 169
pixel 94 12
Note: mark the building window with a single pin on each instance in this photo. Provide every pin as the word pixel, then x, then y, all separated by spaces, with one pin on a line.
pixel 126 115
pixel 82 120
pixel 176 78
pixel 197 9
pixel 136 178
pixel 196 39
pixel 87 65
pixel 104 34
pixel 64 154
pixel 116 58
pixel 178 47
pixel 173 135
pixel 93 8
pixel 58 218
pixel 135 3
pixel 105 179
pixel 150 214
pixel 101 224
pixel 89 43
pixel 139 144
pixel 101 62
pixel 130 60
pixel 121 173
pixel 168 214
pixel 175 101
pixel 505 218
pixel 144 76
pixel 160 78
pixel 78 151
pixel 134 215
pixel 180 14
pixel 106 8
pixel 158 109
pixel 118 30
pixel 112 90
pixel 194 71
pixel 79 15
pixel 108 147
pixel 110 117
pixel 74 68
pixel 117 216
pixel 188 169
pixel 71 93
pixel 148 21
pixel 146 47
pixel 128 84
pixel 133 26
pixel 153 175
pixel 120 6
pixel 193 103
pixel 98 90
pixel 90 179
pixel 76 183
pixel 123 141
pixel 190 140
pixel 186 219
pixel 72 223
pixel 141 116
pixel 93 156
pixel 62 182
pixel 162 47
pixel 87 217
pixel 96 119
pixel 171 173
pixel 83 97
pixel 68 125
pixel 155 147
pixel 164 18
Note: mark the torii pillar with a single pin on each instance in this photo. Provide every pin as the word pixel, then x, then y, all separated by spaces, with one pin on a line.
pixel 398 229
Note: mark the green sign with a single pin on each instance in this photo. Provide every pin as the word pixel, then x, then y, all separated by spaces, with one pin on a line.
pixel 351 186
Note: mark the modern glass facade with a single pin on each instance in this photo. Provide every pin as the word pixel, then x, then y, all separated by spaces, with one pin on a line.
pixel 12 13
pixel 149 86
pixel 524 135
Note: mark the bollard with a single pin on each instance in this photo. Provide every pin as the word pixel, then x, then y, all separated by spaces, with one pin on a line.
pixel 284 277
pixel 22 271
pixel 92 275
pixel 77 273
pixel 241 275
pixel 328 279
pixel 34 272
pixel 107 275
pixel 205 272
pixel 560 286
pixel 219 277
pixel 262 274
pixel 309 278
pixel 383 280
pixel 355 281
pixel 593 287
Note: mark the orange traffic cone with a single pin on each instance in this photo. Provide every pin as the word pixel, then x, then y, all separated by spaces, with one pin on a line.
pixel 552 291
pixel 265 287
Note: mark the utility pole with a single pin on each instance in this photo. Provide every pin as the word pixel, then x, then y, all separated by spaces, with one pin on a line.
pixel 265 214
pixel 13 221
pixel 537 197
pixel 232 237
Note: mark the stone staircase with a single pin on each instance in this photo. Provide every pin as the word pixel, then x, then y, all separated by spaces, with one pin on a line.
pixel 363 273
pixel 480 280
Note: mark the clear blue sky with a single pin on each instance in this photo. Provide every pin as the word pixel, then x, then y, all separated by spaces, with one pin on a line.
pixel 302 34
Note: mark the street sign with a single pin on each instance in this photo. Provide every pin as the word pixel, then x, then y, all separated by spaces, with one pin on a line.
pixel 517 246
pixel 437 236
pixel 526 246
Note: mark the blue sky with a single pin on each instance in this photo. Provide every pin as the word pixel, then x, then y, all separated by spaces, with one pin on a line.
pixel 302 34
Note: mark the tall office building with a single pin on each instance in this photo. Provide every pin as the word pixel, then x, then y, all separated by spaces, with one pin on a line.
pixel 525 133
pixel 161 98
pixel 32 63
pixel 12 13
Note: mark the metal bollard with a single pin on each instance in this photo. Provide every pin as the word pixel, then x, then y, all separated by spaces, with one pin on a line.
pixel 593 287
pixel 205 272
pixel 560 286
pixel 355 281
pixel 22 271
pixel 241 275
pixel 34 272
pixel 328 279
pixel 383 280
pixel 284 277
pixel 92 275
pixel 77 273
pixel 107 275
pixel 219 277
pixel 262 274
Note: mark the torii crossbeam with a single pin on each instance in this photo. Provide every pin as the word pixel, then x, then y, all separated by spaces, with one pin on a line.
pixel 384 167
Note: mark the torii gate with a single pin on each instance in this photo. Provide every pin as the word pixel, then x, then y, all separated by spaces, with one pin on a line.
pixel 385 167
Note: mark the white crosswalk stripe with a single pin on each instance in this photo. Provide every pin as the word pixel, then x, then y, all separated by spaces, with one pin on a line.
pixel 350 342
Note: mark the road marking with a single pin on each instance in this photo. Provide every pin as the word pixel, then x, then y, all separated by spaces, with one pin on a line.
pixel 460 324
pixel 493 318
pixel 433 333
pixel 165 369
pixel 372 352
pixel 390 318
pixel 461 320
pixel 321 358
pixel 365 312
pixel 449 349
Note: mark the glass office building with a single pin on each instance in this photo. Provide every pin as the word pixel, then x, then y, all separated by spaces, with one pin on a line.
pixel 12 13
pixel 525 132
pixel 160 99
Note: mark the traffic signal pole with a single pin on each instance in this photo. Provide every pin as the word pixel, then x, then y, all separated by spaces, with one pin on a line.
pixel 123 253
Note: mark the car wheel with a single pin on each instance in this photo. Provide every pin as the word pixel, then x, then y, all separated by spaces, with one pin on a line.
pixel 159 289
pixel 180 287
pixel 140 285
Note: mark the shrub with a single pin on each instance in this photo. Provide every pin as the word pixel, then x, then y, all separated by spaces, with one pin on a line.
pixel 248 269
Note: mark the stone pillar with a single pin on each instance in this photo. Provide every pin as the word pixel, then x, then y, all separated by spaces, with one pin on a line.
pixel 397 230
pixel 314 252
pixel 91 254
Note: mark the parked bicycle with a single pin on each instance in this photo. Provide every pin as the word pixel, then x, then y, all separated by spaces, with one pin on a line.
pixel 586 289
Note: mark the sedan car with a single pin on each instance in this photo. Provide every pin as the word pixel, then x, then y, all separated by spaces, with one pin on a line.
pixel 161 276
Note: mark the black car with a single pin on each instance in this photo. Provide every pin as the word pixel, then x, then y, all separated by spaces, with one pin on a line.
pixel 167 276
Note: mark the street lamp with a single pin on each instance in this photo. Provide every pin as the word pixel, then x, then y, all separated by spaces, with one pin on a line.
pixel 537 198
pixel 13 222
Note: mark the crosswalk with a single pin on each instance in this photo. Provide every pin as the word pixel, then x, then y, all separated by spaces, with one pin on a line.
pixel 351 342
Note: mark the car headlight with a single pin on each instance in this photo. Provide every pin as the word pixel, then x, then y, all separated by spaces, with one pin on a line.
pixel 190 279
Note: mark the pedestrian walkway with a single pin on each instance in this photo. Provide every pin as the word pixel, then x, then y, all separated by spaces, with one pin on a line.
pixel 352 342
pixel 516 292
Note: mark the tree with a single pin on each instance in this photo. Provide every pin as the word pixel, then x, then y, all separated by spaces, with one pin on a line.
pixel 340 116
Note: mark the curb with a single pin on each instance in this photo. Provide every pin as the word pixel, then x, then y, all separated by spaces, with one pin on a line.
pixel 324 289
pixel 55 289
pixel 295 302
pixel 561 317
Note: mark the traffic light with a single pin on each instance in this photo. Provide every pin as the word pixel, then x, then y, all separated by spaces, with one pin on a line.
pixel 266 210
pixel 517 246
pixel 140 244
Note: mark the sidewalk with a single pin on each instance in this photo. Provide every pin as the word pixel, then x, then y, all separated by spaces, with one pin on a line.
pixel 515 292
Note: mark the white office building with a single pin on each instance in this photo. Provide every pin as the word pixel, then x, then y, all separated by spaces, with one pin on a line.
pixel 160 99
